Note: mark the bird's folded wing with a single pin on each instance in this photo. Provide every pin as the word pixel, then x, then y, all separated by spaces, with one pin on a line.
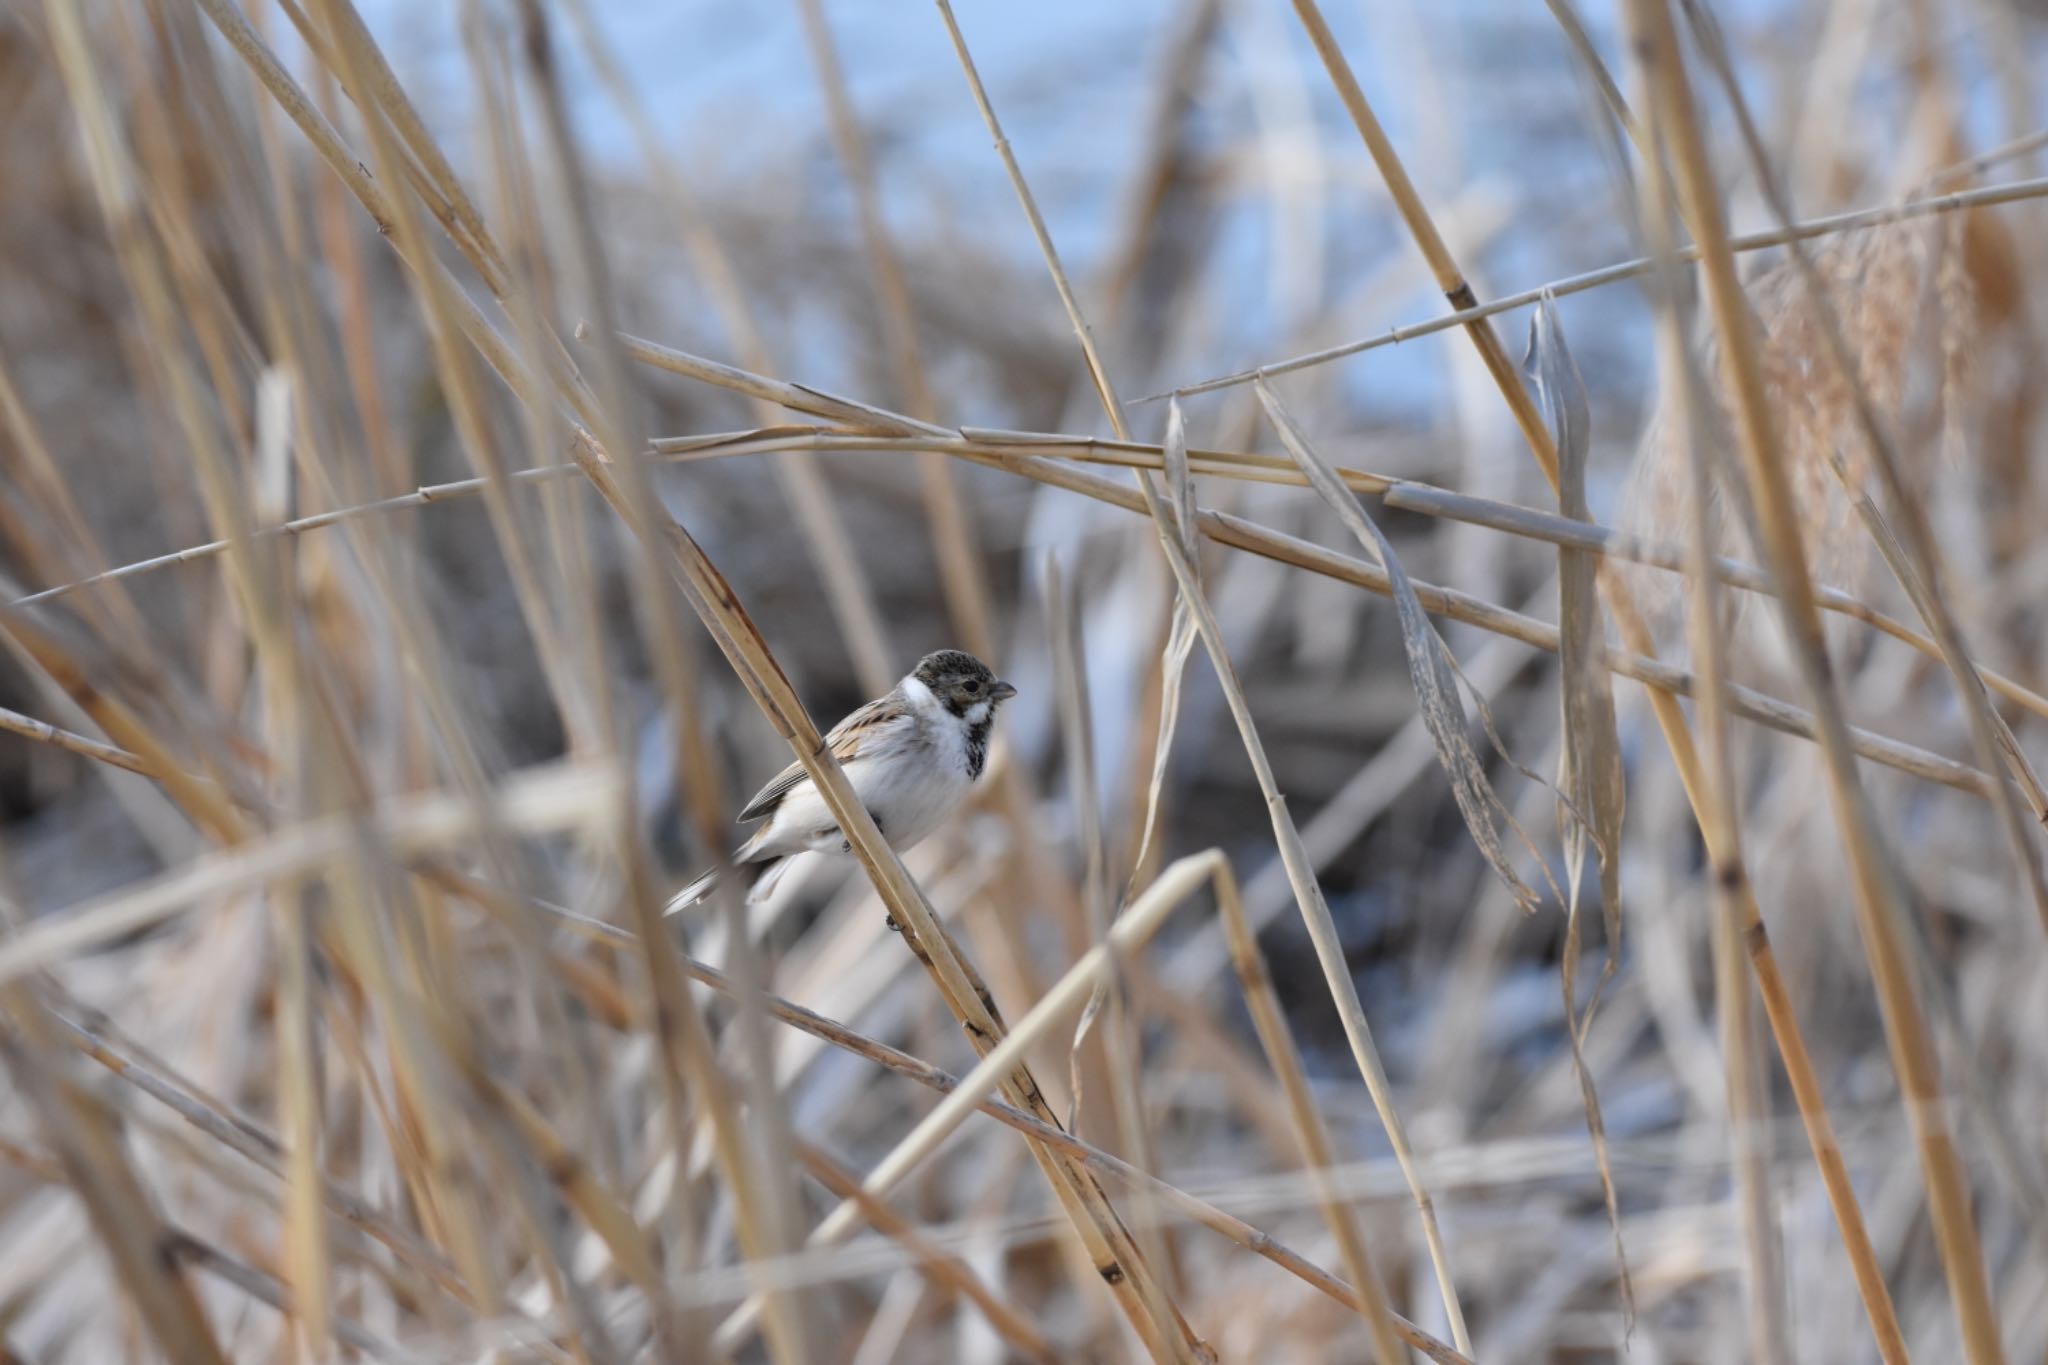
pixel 844 742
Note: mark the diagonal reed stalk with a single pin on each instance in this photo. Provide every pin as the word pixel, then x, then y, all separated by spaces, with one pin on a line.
pixel 1315 912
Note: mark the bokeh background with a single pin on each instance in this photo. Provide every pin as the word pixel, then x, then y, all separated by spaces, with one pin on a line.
pixel 1216 210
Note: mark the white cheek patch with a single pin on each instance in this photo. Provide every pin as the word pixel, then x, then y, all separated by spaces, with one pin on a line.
pixel 917 694
pixel 976 713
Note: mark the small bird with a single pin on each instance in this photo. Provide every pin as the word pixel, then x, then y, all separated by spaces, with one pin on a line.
pixel 911 755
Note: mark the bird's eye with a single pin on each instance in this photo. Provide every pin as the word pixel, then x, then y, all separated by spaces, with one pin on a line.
pixel 972 685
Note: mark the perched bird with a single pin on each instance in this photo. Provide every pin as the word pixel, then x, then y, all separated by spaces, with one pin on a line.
pixel 911 755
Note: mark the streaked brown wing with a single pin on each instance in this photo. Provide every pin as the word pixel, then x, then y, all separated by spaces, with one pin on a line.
pixel 844 740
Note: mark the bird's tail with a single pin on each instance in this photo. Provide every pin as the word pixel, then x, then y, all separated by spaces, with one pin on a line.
pixel 690 895
pixel 696 891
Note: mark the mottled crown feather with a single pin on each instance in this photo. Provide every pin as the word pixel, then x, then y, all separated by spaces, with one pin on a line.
pixel 949 665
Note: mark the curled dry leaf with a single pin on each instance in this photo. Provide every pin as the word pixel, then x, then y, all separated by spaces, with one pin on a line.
pixel 1593 796
pixel 1436 689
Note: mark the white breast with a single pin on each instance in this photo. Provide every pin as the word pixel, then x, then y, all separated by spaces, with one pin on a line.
pixel 910 776
pixel 916 779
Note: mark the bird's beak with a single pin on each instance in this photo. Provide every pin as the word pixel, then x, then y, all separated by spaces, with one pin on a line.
pixel 1002 691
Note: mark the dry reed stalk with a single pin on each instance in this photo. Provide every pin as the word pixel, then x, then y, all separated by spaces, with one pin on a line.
pixel 183 1246
pixel 1121 1050
pixel 83 1135
pixel 945 1270
pixel 1721 835
pixel 1070 993
pixel 156 282
pixel 462 752
pixel 99 1039
pixel 1008 450
pixel 553 796
pixel 1285 1060
pixel 1172 658
pixel 1449 278
pixel 1879 899
pixel 825 537
pixel 1914 559
pixel 1109 1245
pixel 958 562
pixel 76 545
pixel 387 118
pixel 1592 796
pixel 1719 817
pixel 925 1074
pixel 961 577
pixel 1308 894
pixel 1671 722
pixel 1236 531
pixel 42 732
pixel 755 1157
pixel 2017 191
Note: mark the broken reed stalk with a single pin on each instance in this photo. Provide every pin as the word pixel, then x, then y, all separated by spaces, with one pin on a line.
pixel 1879 896
pixel 1315 912
pixel 1120 1046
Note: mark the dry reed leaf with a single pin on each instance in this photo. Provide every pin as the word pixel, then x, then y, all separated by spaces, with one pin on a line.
pixel 1593 797
pixel 1180 636
pixel 1593 777
pixel 1436 688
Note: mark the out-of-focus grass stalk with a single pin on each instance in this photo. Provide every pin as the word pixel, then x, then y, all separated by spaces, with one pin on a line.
pixel 1683 393
pixel 1878 895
